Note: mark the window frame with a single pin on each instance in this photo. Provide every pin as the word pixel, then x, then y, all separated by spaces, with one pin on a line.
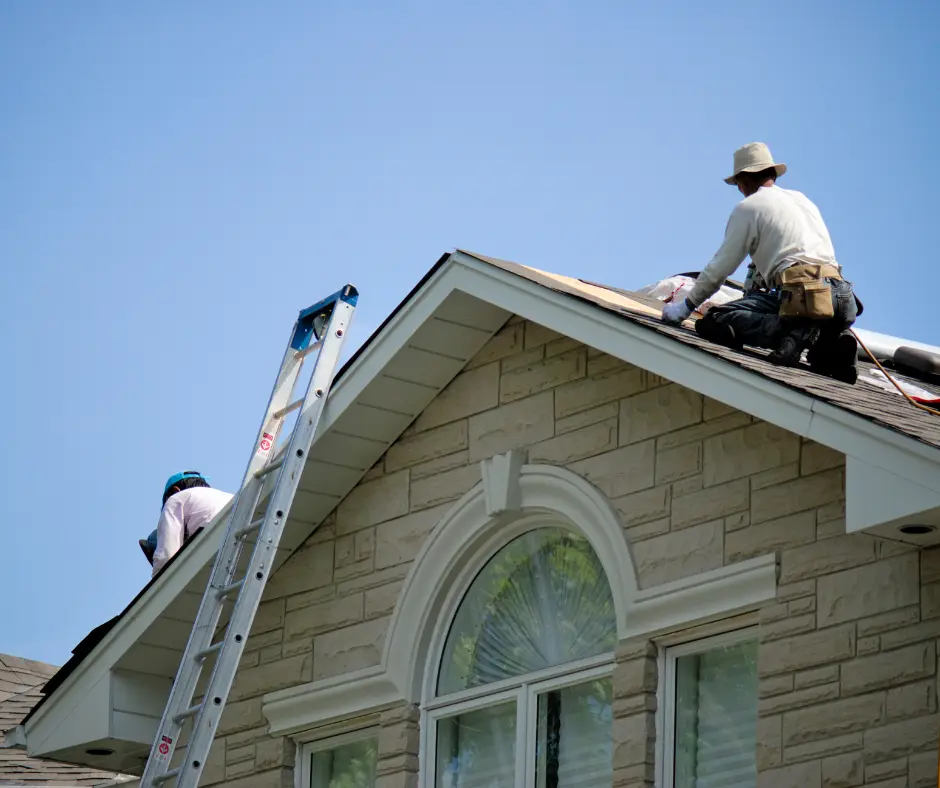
pixel 307 750
pixel 666 700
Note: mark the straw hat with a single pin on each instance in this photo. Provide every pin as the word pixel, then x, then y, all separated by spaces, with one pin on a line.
pixel 754 157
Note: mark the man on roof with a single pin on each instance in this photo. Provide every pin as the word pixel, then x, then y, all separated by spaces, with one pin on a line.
pixel 797 298
pixel 189 503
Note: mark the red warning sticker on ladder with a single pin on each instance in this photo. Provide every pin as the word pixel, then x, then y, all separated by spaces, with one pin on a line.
pixel 164 749
pixel 266 442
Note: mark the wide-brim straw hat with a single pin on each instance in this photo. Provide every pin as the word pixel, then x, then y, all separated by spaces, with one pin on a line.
pixel 754 157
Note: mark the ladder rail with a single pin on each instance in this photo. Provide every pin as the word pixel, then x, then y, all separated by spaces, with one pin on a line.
pixel 199 647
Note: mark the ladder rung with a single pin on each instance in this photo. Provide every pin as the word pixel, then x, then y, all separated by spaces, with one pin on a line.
pixel 280 414
pixel 269 468
pixel 201 655
pixel 312 347
pixel 254 525
pixel 226 590
pixel 162 778
pixel 192 710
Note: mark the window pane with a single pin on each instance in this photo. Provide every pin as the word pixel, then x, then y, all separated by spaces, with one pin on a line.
pixel 716 718
pixel 477 749
pixel 574 737
pixel 541 601
pixel 348 766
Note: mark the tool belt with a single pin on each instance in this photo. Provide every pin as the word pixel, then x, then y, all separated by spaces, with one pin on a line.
pixel 805 290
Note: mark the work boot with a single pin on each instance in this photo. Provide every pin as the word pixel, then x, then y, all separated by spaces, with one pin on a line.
pixel 792 345
pixel 835 358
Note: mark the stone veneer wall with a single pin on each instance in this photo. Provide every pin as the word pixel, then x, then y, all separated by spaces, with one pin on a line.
pixel 848 650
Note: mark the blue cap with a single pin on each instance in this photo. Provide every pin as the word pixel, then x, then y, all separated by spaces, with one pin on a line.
pixel 176 478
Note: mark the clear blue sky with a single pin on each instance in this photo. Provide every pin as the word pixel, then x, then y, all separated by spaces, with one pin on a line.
pixel 178 179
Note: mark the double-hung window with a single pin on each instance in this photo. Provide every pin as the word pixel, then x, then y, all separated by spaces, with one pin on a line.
pixel 523 694
pixel 710 713
pixel 340 762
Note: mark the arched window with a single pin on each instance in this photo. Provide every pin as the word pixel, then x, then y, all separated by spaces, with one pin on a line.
pixel 523 692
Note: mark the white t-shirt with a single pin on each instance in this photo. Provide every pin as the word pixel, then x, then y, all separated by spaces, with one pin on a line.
pixel 776 227
pixel 184 514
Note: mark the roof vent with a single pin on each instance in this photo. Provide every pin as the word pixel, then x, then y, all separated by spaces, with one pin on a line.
pixel 916 529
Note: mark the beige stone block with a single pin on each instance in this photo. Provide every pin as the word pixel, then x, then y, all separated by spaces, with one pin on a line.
pixel 276 778
pixel 807 492
pixel 681 554
pixel 843 771
pixel 713 409
pixel 797 775
pixel 269 654
pixel 470 392
pixel 522 359
pixel 400 540
pixel 775 685
pixel 634 740
pixel 505 342
pixel 656 412
pixel 834 718
pixel 620 472
pixel 542 375
pixel 634 676
pixel 273 751
pixel 774 476
pixel 373 502
pixel 926 630
pixel 373 580
pixel 738 520
pixel 440 464
pixel 270 615
pixel 313 620
pixel 237 754
pixel 240 715
pixel 710 503
pixel 787 627
pixel 309 568
pixel 884 622
pixel 815 676
pixel 897 739
pixel 363 567
pixel 876 772
pixel 427 445
pixel 563 345
pixel 797 699
pixel 823 748
pixel 380 601
pixel 800 606
pixel 687 486
pixel 912 700
pixel 769 613
pixel 271 676
pixel 240 769
pixel 814 457
pixel 699 432
pixel 770 536
pixel 867 645
pixel 603 362
pixel 442 487
pixel 577 445
pixel 644 506
pixel 580 395
pixel 586 417
pixel 678 463
pixel 769 742
pixel 520 423
pixel 349 649
pixel 292 648
pixel 537 334
pixel 867 590
pixel 636 533
pixel 797 590
pixel 310 597
pixel 807 651
pixel 888 669
pixel 749 450
pixel 930 601
pixel 922 770
pixel 930 565
pixel 831 555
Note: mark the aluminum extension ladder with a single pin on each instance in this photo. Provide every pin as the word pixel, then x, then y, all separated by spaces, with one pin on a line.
pixel 322 328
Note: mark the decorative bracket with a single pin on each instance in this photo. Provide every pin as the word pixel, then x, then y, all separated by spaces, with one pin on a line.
pixel 501 481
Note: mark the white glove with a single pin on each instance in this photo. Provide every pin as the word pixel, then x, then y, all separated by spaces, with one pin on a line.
pixel 676 312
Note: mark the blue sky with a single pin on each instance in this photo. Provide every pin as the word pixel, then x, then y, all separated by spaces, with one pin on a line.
pixel 178 179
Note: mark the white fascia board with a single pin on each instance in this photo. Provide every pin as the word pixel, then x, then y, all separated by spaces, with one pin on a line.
pixel 875 496
pixel 177 577
pixel 772 402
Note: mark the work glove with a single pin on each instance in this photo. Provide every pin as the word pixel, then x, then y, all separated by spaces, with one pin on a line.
pixel 676 312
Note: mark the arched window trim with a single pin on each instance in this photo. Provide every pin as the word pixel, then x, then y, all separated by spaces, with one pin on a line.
pixel 513 498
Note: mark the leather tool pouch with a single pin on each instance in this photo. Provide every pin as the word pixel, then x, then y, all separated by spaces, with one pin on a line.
pixel 805 291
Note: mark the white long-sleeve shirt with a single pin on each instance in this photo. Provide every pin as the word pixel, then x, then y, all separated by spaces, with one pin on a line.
pixel 184 513
pixel 776 227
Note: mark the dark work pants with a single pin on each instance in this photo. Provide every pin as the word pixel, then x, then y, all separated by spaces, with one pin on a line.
pixel 754 319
